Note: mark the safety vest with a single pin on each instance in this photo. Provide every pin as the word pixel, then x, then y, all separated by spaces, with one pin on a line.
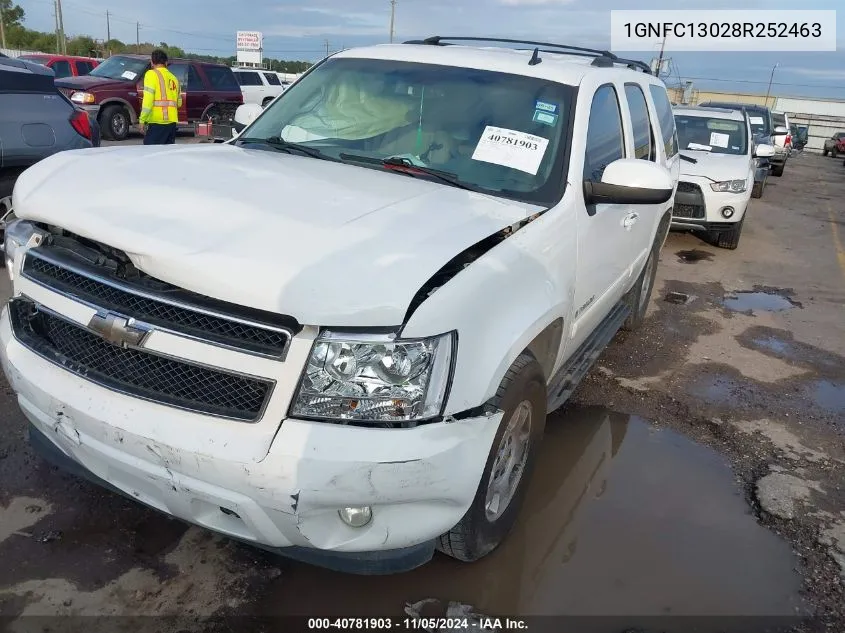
pixel 162 97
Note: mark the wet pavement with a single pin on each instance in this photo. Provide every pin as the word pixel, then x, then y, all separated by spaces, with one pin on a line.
pixel 700 469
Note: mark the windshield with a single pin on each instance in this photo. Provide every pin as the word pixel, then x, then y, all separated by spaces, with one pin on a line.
pixel 718 136
pixel 35 59
pixel 123 68
pixel 497 133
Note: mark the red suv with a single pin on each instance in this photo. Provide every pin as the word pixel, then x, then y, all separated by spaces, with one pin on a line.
pixel 64 65
pixel 113 92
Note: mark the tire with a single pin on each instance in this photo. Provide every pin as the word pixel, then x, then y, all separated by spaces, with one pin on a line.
pixel 834 152
pixel 7 184
pixel 729 239
pixel 114 123
pixel 824 152
pixel 266 102
pixel 757 189
pixel 477 534
pixel 777 170
pixel 638 296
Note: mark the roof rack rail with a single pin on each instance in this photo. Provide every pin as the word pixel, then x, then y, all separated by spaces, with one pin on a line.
pixel 602 58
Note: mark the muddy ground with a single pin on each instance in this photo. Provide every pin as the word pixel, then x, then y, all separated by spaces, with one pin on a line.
pixel 699 470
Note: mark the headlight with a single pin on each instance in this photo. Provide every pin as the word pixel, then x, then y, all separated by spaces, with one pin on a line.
pixel 729 186
pixel 375 378
pixel 82 97
pixel 19 233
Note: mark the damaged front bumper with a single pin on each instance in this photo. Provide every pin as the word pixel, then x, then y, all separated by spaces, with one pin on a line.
pixel 419 482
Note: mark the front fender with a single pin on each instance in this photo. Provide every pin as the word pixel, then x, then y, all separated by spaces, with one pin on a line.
pixel 501 302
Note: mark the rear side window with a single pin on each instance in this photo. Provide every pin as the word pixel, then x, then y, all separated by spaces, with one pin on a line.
pixel 666 119
pixel 194 81
pixel 62 68
pixel 249 79
pixel 221 78
pixel 605 142
pixel 640 123
pixel 272 79
pixel 83 68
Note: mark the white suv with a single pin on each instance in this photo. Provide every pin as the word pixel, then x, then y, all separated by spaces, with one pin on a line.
pixel 259 86
pixel 339 335
pixel 717 174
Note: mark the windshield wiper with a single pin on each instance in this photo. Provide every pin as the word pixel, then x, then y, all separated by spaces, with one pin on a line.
pixel 281 144
pixel 689 159
pixel 405 166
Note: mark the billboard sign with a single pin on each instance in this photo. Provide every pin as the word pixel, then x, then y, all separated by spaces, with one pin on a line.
pixel 249 47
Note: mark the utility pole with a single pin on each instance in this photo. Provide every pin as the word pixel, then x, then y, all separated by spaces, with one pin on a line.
pixel 62 40
pixel 108 27
pixel 2 29
pixel 660 57
pixel 138 35
pixel 392 18
pixel 58 37
pixel 771 77
pixel 327 48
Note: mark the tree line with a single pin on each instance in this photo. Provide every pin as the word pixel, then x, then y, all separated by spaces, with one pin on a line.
pixel 22 38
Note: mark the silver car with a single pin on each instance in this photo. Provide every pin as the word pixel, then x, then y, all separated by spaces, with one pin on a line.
pixel 36 121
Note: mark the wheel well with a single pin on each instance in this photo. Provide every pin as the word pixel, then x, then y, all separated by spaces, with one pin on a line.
pixel 545 346
pixel 133 118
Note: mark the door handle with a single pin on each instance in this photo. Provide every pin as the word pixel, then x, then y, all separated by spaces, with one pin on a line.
pixel 630 220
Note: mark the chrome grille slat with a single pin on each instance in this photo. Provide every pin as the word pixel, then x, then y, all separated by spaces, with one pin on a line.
pixel 137 372
pixel 195 322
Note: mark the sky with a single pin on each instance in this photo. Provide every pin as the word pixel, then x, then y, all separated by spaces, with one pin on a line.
pixel 302 29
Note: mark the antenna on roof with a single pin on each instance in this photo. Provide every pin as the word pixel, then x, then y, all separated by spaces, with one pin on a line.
pixel 535 58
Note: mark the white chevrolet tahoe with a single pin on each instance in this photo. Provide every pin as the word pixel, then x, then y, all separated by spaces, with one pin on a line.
pixel 338 336
pixel 717 174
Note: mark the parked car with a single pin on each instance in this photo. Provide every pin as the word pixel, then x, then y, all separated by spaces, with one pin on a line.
pixel 113 92
pixel 783 136
pixel 714 191
pixel 831 145
pixel 763 131
pixel 362 373
pixel 259 86
pixel 64 65
pixel 36 121
pixel 799 136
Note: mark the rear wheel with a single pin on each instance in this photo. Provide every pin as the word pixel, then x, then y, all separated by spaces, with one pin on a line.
pixel 729 239
pixel 757 189
pixel 824 152
pixel 266 102
pixel 834 152
pixel 114 123
pixel 495 508
pixel 777 170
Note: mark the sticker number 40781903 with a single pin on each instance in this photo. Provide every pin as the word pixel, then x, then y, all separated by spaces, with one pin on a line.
pixel 511 148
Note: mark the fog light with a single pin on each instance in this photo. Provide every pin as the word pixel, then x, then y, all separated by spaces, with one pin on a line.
pixel 356 517
pixel 728 212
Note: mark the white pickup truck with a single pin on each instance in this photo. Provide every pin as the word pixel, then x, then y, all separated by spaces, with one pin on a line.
pixel 338 336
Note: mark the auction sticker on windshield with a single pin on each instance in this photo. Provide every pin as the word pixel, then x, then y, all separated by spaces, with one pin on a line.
pixel 719 140
pixel 128 74
pixel 756 120
pixel 511 148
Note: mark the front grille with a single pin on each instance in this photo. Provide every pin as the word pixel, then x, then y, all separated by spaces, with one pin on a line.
pixel 111 296
pixel 689 202
pixel 138 372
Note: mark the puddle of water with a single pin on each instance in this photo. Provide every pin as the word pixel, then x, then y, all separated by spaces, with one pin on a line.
pixel 694 255
pixel 828 395
pixel 763 301
pixel 620 519
pixel 772 344
pixel 718 389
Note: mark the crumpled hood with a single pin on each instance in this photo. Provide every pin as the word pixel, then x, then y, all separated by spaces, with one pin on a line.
pixel 326 243
pixel 716 167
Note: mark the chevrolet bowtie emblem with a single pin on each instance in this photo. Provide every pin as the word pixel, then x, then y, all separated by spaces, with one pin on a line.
pixel 118 330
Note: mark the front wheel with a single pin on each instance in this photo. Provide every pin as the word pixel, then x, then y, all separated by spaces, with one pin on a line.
pixel 729 239
pixel 114 122
pixel 757 189
pixel 495 508
pixel 639 296
pixel 834 152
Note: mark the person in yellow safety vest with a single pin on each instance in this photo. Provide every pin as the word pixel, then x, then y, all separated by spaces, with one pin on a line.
pixel 162 99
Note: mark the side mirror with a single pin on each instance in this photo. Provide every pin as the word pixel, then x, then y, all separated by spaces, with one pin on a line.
pixel 779 129
pixel 630 181
pixel 764 151
pixel 246 114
